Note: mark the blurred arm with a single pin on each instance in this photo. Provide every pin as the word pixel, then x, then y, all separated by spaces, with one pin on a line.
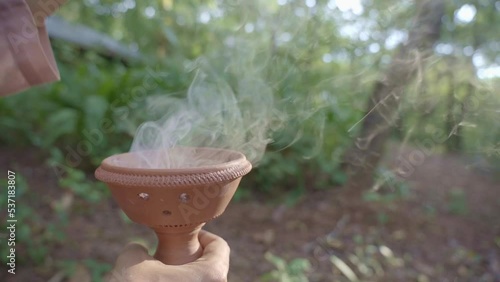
pixel 26 57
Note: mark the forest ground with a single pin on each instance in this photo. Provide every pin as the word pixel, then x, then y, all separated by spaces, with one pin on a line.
pixel 446 229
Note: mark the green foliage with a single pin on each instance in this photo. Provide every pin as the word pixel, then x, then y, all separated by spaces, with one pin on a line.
pixel 451 108
pixel 429 209
pixel 59 123
pixel 366 261
pixel 76 180
pixel 242 194
pixel 68 267
pixel 96 268
pixel 293 271
pixel 382 217
pixel 388 188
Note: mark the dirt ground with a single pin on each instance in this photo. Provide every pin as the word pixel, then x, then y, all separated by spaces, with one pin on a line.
pixel 446 229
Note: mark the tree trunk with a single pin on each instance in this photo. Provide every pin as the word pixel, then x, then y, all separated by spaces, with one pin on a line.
pixel 451 127
pixel 362 159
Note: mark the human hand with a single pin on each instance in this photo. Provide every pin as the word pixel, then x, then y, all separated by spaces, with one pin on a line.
pixel 40 9
pixel 135 264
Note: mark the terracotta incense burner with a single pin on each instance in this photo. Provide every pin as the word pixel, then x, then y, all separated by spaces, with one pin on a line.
pixel 175 203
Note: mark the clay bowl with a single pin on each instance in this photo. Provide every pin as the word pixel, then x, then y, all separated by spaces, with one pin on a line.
pixel 175 203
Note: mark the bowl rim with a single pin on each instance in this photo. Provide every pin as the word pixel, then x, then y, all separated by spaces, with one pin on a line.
pixel 179 177
pixel 238 160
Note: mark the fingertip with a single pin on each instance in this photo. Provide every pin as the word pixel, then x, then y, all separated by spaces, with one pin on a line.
pixel 216 250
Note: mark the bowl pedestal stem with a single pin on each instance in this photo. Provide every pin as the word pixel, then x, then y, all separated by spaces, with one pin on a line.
pixel 178 245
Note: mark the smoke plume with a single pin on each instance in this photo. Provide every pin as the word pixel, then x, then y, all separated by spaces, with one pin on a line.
pixel 213 114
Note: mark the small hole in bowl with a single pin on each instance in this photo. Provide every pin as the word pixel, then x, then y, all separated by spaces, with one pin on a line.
pixel 167 212
pixel 184 197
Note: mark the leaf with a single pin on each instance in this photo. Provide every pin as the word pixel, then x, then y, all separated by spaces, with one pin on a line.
pixel 386 252
pixel 299 265
pixel 62 122
pixel 95 108
pixel 344 268
pixel 467 124
pixel 339 177
pixel 370 196
pixel 170 35
pixel 276 261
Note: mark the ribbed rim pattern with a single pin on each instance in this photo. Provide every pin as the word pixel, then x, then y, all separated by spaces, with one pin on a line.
pixel 235 171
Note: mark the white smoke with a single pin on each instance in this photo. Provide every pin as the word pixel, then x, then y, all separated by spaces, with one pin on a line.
pixel 213 114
